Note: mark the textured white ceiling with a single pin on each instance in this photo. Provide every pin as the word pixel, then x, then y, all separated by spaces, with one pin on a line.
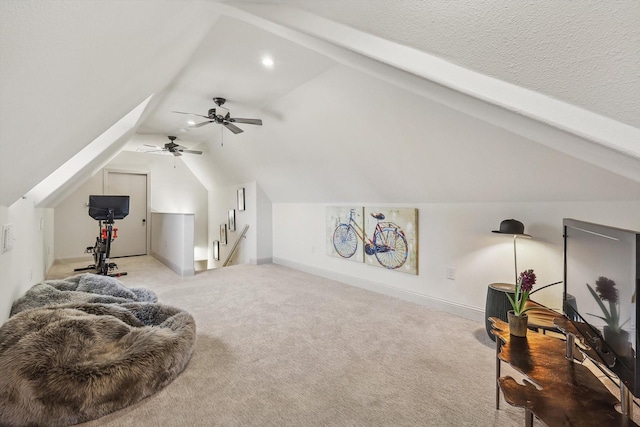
pixel 586 53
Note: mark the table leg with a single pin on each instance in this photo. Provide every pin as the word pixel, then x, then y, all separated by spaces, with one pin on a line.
pixel 626 401
pixel 528 418
pixel 497 373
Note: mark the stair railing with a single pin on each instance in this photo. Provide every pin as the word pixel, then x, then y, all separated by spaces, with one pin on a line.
pixel 235 246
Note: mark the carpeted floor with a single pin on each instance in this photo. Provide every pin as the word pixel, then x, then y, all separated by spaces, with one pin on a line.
pixel 278 347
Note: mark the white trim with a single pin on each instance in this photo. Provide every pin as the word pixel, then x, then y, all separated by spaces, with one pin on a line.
pixel 74 259
pixel 466 311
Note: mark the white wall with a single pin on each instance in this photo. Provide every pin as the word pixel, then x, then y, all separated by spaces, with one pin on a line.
pixel 32 254
pixel 74 229
pixel 451 235
pixel 172 241
pixel 173 187
pixel 256 247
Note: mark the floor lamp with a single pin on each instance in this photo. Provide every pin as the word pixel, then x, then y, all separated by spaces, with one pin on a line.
pixel 515 228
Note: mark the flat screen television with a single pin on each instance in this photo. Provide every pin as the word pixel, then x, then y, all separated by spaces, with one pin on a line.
pixel 601 283
pixel 108 208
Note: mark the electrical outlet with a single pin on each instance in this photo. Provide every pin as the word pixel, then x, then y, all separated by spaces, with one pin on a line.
pixel 451 273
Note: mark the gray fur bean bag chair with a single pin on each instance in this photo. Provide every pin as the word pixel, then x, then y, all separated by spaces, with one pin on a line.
pixel 74 361
pixel 82 288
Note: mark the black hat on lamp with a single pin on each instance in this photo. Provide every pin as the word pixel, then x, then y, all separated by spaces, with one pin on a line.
pixel 516 229
pixel 513 227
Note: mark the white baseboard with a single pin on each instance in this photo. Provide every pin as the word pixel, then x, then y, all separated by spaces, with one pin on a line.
pixel 468 312
pixel 182 272
pixel 70 260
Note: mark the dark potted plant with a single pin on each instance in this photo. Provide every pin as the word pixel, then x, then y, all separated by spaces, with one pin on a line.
pixel 517 317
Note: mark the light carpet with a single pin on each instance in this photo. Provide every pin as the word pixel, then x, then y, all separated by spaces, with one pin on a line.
pixel 279 347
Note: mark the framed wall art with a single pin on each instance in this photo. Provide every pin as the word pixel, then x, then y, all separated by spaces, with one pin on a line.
pixel 381 237
pixel 223 234
pixel 216 250
pixel 241 199
pixel 232 220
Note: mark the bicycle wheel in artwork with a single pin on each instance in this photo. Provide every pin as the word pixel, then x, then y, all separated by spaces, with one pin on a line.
pixel 391 249
pixel 344 232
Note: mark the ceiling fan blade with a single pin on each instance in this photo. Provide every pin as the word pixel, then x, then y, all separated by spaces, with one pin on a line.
pixel 233 128
pixel 176 153
pixel 146 148
pixel 191 114
pixel 247 121
pixel 191 151
pixel 201 124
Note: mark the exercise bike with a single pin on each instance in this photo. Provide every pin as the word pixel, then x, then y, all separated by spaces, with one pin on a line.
pixel 117 208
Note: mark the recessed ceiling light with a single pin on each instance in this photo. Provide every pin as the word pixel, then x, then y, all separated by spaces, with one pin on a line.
pixel 191 123
pixel 267 62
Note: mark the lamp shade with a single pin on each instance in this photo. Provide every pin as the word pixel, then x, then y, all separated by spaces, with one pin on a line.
pixel 513 227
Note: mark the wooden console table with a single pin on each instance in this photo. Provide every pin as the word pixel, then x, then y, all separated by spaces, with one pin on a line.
pixel 558 391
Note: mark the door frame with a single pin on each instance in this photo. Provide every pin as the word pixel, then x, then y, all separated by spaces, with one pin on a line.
pixel 147 173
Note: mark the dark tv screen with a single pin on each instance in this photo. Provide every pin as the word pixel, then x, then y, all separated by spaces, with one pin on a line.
pixel 100 207
pixel 602 277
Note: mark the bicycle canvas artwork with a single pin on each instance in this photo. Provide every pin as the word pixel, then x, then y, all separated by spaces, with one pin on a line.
pixel 395 238
pixel 383 237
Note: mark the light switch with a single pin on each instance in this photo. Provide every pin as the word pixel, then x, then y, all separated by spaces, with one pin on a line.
pixel 7 237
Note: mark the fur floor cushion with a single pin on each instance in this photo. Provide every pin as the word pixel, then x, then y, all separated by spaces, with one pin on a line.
pixel 76 361
pixel 81 288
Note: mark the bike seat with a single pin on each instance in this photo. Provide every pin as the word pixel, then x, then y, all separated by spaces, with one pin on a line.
pixel 378 216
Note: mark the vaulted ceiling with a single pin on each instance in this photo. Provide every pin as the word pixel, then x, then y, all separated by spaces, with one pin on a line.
pixel 381 101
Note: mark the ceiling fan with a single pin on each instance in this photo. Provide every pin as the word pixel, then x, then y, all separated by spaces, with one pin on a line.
pixel 169 147
pixel 222 116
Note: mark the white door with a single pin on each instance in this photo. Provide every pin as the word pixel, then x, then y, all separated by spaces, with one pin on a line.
pixel 132 231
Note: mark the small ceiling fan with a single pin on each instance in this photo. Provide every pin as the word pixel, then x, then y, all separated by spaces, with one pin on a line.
pixel 169 147
pixel 222 116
